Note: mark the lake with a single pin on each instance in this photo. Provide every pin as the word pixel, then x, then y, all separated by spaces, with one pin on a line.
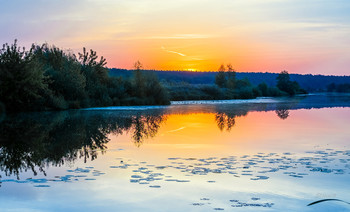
pixel 268 154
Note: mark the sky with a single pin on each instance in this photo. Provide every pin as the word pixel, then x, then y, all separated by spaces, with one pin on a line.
pixel 306 37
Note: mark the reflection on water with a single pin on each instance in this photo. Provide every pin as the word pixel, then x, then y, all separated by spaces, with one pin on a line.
pixel 282 113
pixel 145 126
pixel 34 141
pixel 32 144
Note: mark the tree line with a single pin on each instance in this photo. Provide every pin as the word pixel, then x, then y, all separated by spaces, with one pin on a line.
pixel 48 78
pixel 311 83
pixel 340 88
pixel 227 86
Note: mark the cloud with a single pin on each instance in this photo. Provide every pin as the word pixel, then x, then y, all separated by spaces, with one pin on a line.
pixel 182 36
pixel 164 49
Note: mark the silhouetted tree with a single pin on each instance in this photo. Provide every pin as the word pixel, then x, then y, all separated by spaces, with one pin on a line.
pixel 231 77
pixel 97 78
pixel 22 80
pixel 147 88
pixel 220 78
pixel 263 89
pixel 285 85
pixel 139 81
pixel 66 82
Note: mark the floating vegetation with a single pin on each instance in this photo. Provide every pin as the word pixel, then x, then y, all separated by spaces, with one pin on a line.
pixel 253 168
pixel 42 186
pixel 260 166
pixel 74 176
pixel 238 203
pixel 260 178
pixel 197 204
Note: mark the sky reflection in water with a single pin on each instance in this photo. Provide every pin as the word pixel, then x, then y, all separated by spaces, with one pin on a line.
pixel 254 156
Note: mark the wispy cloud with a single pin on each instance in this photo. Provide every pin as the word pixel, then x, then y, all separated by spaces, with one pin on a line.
pixel 181 36
pixel 164 49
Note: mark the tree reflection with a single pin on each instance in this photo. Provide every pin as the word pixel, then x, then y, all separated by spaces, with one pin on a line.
pixel 31 142
pixel 227 120
pixel 144 127
pixel 223 121
pixel 282 113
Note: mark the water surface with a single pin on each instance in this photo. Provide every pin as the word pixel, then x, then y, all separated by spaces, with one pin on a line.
pixel 268 155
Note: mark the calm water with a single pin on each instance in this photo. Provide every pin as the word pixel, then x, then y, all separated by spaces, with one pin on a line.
pixel 257 155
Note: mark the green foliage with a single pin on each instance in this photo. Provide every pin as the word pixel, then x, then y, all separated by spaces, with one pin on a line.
pixel 273 91
pixel 22 79
pixel 263 89
pixel 341 88
pixel 220 78
pixel 290 87
pixel 139 80
pixel 47 78
pixel 146 88
pixel 97 79
pixel 154 92
pixel 212 91
pixel 245 93
pixel 231 77
pixel 226 77
pixel 243 83
pixel 66 82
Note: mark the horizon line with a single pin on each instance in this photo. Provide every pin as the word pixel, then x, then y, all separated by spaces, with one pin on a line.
pixel 198 71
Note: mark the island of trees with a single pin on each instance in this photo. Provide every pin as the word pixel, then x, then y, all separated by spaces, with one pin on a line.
pixel 48 78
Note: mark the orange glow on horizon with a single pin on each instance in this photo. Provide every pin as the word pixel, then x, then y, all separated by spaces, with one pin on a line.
pixel 254 36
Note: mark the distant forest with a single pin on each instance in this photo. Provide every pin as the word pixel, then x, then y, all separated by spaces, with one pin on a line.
pixel 311 83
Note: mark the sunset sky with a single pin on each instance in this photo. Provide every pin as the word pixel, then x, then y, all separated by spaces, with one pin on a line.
pixel 253 35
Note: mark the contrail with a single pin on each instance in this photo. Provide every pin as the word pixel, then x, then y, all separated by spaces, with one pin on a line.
pixel 183 55
pixel 181 128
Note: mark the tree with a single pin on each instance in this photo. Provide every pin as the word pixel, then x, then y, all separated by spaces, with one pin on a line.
pixel 263 89
pixel 64 75
pixel 139 80
pixel 220 78
pixel 284 83
pixel 22 79
pixel 97 78
pixel 231 77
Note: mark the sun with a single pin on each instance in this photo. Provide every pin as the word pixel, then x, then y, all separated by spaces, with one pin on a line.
pixel 192 69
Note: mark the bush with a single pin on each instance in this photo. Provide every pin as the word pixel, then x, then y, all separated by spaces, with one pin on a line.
pixel 245 93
